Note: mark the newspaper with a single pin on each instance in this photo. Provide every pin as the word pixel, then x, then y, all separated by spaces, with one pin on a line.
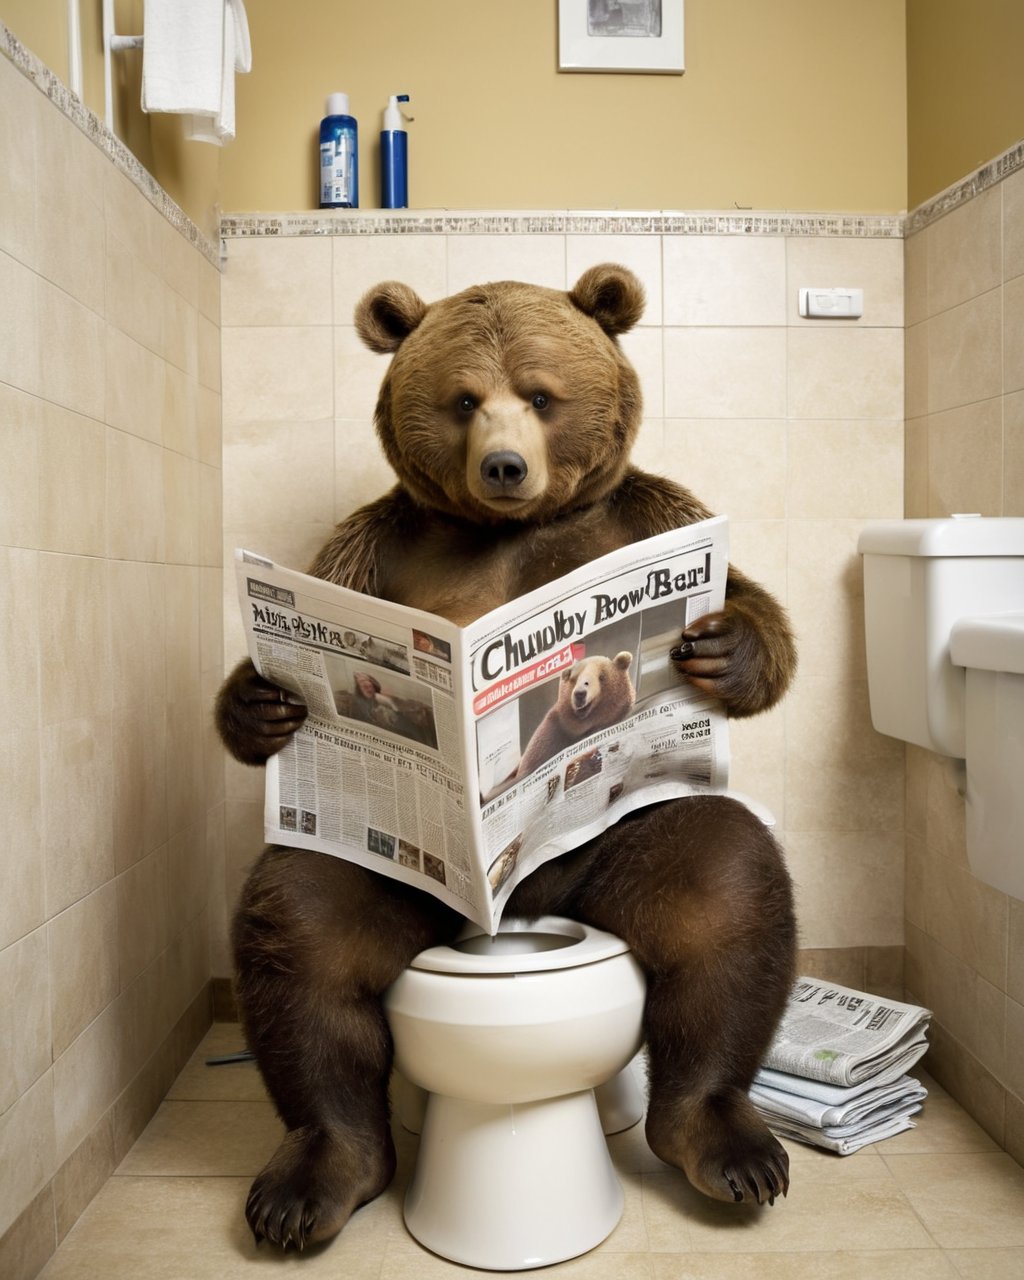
pixel 845 1121
pixel 838 1036
pixel 416 757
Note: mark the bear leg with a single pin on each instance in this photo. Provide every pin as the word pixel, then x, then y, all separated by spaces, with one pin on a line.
pixel 317 940
pixel 699 889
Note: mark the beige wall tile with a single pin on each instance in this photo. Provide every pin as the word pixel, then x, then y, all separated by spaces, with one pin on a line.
pixel 20 637
pixel 178 262
pixel 965 252
pixel 944 815
pixel 965 460
pixel 845 469
pixel 19 325
pixel 74 638
pixel 643 348
pixel 208 407
pixel 915 276
pixel 840 774
pixel 1015 956
pixel 211 515
pixel 361 472
pixel 649 446
pixel 641 254
pixel 72 482
pixel 832 869
pixel 725 373
pixel 360 262
pixel 1013 225
pixel 135 498
pixel 287 467
pixel 180 332
pixel 965 353
pixel 357 375
pixel 736 467
pixel 70 249
pixel 143 914
pixel 83 967
pixel 1014 1071
pixel 827 373
pixel 185 718
pixel 19 163
pixel 209 286
pixel 915 468
pixel 135 387
pixel 23 902
pixel 73 338
pixel 78 822
pixel 179 419
pixel 274 374
pixel 82 1175
pixel 1013 455
pixel 725 280
pixel 479 259
pixel 208 356
pixel 20 418
pixel 876 266
pixel 970 918
pixel 1013 334
pixel 826 597
pixel 915 350
pixel 27 1140
pixel 285 282
pixel 757 748
pixel 182 503
pixel 140 822
pixel 134 294
pixel 86 1079
pixel 25 1052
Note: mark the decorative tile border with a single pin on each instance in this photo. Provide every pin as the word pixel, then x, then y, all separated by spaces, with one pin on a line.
pixel 959 193
pixel 97 132
pixel 372 222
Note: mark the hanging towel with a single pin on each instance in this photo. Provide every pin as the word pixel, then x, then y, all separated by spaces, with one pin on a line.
pixel 191 51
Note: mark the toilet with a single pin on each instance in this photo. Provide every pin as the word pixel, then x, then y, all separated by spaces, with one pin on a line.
pixel 521 1047
pixel 510 1036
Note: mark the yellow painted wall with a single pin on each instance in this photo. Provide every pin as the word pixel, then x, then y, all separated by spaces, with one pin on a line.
pixel 787 104
pixel 965 88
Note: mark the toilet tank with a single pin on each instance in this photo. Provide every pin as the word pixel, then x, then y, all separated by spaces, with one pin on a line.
pixel 920 577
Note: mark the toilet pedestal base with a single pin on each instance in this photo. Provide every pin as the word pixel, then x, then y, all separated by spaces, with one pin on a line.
pixel 510 1187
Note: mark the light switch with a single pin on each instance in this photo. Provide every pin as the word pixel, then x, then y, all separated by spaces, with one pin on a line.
pixel 832 304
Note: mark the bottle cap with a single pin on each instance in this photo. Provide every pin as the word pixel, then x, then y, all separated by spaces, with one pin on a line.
pixel 392 115
pixel 337 104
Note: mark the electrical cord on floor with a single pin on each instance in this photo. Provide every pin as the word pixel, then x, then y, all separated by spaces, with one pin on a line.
pixel 223 1059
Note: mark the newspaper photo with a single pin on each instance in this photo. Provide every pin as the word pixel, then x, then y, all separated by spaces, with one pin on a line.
pixel 459 759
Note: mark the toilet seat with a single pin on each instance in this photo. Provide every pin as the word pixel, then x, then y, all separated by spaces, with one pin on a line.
pixel 522 946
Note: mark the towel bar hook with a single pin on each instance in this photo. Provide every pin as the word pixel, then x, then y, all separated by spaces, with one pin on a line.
pixel 112 43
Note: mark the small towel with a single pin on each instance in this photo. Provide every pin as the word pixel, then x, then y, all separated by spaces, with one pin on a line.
pixel 191 52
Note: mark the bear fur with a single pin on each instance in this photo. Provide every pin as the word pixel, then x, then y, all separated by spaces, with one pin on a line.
pixel 593 694
pixel 508 412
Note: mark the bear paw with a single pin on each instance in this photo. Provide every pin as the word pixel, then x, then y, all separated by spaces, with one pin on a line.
pixel 724 1147
pixel 312 1185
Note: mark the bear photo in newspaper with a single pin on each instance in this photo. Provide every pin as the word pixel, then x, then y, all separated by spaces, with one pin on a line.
pixel 508 412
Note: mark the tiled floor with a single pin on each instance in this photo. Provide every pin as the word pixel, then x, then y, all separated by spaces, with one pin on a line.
pixel 940 1201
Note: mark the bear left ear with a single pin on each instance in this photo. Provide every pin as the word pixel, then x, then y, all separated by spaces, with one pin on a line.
pixel 611 295
pixel 387 314
pixel 623 660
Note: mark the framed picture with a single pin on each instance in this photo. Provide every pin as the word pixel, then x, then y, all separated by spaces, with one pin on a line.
pixel 621 35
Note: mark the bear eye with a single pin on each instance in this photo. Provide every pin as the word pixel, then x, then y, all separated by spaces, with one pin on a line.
pixel 540 401
pixel 465 404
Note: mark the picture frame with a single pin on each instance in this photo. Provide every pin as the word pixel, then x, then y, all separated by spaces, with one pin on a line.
pixel 643 36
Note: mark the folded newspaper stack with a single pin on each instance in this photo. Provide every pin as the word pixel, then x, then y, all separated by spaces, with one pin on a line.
pixel 835 1073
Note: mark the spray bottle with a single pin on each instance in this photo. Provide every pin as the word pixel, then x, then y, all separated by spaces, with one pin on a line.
pixel 394 156
pixel 339 156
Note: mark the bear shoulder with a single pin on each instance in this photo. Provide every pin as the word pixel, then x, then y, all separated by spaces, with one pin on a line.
pixel 645 505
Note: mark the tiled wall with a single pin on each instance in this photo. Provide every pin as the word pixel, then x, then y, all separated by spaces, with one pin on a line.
pixel 792 427
pixel 110 648
pixel 965 452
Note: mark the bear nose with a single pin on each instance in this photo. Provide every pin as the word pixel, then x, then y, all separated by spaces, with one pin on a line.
pixel 503 470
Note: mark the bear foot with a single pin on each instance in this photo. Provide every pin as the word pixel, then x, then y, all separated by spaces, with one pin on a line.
pixel 723 1146
pixel 314 1182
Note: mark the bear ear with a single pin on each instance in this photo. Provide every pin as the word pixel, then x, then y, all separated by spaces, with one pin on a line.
pixel 622 660
pixel 387 314
pixel 611 295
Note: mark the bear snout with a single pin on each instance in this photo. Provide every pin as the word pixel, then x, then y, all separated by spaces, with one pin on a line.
pixel 503 470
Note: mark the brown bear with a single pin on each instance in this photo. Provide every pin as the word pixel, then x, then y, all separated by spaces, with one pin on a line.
pixel 593 694
pixel 508 412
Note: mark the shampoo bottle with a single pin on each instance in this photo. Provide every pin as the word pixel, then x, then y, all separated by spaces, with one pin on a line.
pixel 394 156
pixel 339 156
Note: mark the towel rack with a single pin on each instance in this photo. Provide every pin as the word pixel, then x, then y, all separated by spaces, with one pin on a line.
pixel 112 43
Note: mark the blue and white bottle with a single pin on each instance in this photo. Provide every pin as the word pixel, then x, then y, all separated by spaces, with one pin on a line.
pixel 339 156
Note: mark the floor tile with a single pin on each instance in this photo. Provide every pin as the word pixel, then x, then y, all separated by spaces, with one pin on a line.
pixel 965 1201
pixel 240 1081
pixel 854 1264
pixel 211 1139
pixel 988 1264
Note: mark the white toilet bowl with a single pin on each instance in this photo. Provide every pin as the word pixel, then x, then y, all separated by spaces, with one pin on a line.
pixel 510 1036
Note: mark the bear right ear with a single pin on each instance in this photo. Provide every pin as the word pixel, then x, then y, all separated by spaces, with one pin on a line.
pixel 611 295
pixel 387 314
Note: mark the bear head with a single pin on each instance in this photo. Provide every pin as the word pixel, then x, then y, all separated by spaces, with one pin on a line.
pixel 507 401
pixel 596 692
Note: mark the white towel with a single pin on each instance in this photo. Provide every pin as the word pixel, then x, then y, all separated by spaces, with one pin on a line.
pixel 191 52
